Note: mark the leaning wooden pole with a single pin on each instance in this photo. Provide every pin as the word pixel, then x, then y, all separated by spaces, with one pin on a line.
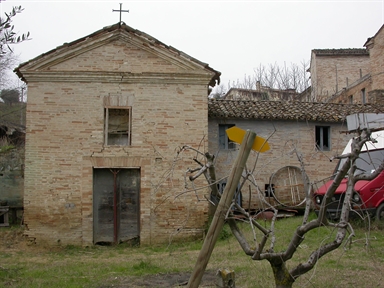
pixel 221 210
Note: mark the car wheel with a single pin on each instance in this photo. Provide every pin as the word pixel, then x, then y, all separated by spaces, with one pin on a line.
pixel 380 213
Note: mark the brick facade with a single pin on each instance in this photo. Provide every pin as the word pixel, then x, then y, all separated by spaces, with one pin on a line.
pixel 375 46
pixel 376 96
pixel 283 137
pixel 363 88
pixel 68 90
pixel 357 93
pixel 334 69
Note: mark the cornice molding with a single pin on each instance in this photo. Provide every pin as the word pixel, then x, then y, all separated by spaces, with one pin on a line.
pixel 117 77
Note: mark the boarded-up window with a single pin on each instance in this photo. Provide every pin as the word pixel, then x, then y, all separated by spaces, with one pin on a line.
pixel 117 125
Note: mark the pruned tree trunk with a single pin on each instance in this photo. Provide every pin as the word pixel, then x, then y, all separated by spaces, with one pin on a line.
pixel 283 278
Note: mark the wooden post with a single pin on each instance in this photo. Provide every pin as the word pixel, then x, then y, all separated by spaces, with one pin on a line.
pixel 222 208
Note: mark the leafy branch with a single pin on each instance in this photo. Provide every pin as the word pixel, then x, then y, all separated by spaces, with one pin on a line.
pixel 8 36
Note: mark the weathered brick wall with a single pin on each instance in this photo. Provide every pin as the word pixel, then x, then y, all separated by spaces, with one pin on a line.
pixel 119 56
pixel 372 83
pixel 283 140
pixel 330 73
pixel 377 61
pixel 354 94
pixel 376 96
pixel 64 142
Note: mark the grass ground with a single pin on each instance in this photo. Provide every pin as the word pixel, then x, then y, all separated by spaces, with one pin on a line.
pixel 25 265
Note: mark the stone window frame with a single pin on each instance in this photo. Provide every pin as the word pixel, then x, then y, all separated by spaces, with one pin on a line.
pixel 127 132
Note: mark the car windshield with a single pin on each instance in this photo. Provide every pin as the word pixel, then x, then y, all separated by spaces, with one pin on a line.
pixel 367 163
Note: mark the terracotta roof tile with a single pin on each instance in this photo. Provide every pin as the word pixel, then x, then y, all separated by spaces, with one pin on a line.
pixel 282 110
pixel 342 51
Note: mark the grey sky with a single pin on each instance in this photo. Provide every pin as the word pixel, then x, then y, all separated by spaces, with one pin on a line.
pixel 233 37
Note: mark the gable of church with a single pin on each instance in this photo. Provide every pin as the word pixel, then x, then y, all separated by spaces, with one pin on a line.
pixel 115 50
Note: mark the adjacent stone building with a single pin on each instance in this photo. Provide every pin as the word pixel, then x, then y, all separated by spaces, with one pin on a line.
pixel 375 46
pixel 303 136
pixel 350 75
pixel 105 118
pixel 333 69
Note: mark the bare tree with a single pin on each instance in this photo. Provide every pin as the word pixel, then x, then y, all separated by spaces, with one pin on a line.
pixel 218 92
pixel 294 77
pixel 258 250
pixel 7 63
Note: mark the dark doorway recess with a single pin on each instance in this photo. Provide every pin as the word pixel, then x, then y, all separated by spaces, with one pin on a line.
pixel 116 210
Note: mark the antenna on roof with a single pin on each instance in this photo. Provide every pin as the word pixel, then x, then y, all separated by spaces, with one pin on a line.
pixel 120 10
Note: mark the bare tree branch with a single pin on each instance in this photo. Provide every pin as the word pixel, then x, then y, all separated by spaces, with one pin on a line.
pixel 256 248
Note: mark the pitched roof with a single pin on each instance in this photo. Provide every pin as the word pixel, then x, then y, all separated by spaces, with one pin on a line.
pixel 121 26
pixel 287 110
pixel 373 37
pixel 333 52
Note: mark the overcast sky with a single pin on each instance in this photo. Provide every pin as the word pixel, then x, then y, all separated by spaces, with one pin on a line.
pixel 233 37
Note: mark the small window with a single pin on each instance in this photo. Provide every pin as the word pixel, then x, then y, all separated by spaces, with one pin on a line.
pixel 351 99
pixel 224 142
pixel 264 96
pixel 363 100
pixel 117 128
pixel 285 96
pixel 323 138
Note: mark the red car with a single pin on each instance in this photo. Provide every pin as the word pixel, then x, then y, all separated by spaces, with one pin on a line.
pixel 369 195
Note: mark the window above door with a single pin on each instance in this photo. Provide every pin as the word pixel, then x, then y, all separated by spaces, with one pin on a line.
pixel 117 126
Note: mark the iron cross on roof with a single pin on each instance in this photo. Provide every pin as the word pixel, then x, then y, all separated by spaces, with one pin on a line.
pixel 120 10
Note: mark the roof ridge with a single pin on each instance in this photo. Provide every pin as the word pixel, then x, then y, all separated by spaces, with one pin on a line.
pixel 287 110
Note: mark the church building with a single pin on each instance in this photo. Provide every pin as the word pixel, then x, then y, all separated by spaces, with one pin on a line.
pixel 106 116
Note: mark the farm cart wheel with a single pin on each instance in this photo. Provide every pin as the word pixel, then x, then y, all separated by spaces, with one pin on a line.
pixel 380 213
pixel 289 186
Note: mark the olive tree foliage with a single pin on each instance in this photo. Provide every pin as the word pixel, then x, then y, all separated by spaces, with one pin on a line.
pixel 262 244
pixel 8 37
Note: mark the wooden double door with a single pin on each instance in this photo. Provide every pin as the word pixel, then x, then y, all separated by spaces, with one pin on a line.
pixel 116 205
